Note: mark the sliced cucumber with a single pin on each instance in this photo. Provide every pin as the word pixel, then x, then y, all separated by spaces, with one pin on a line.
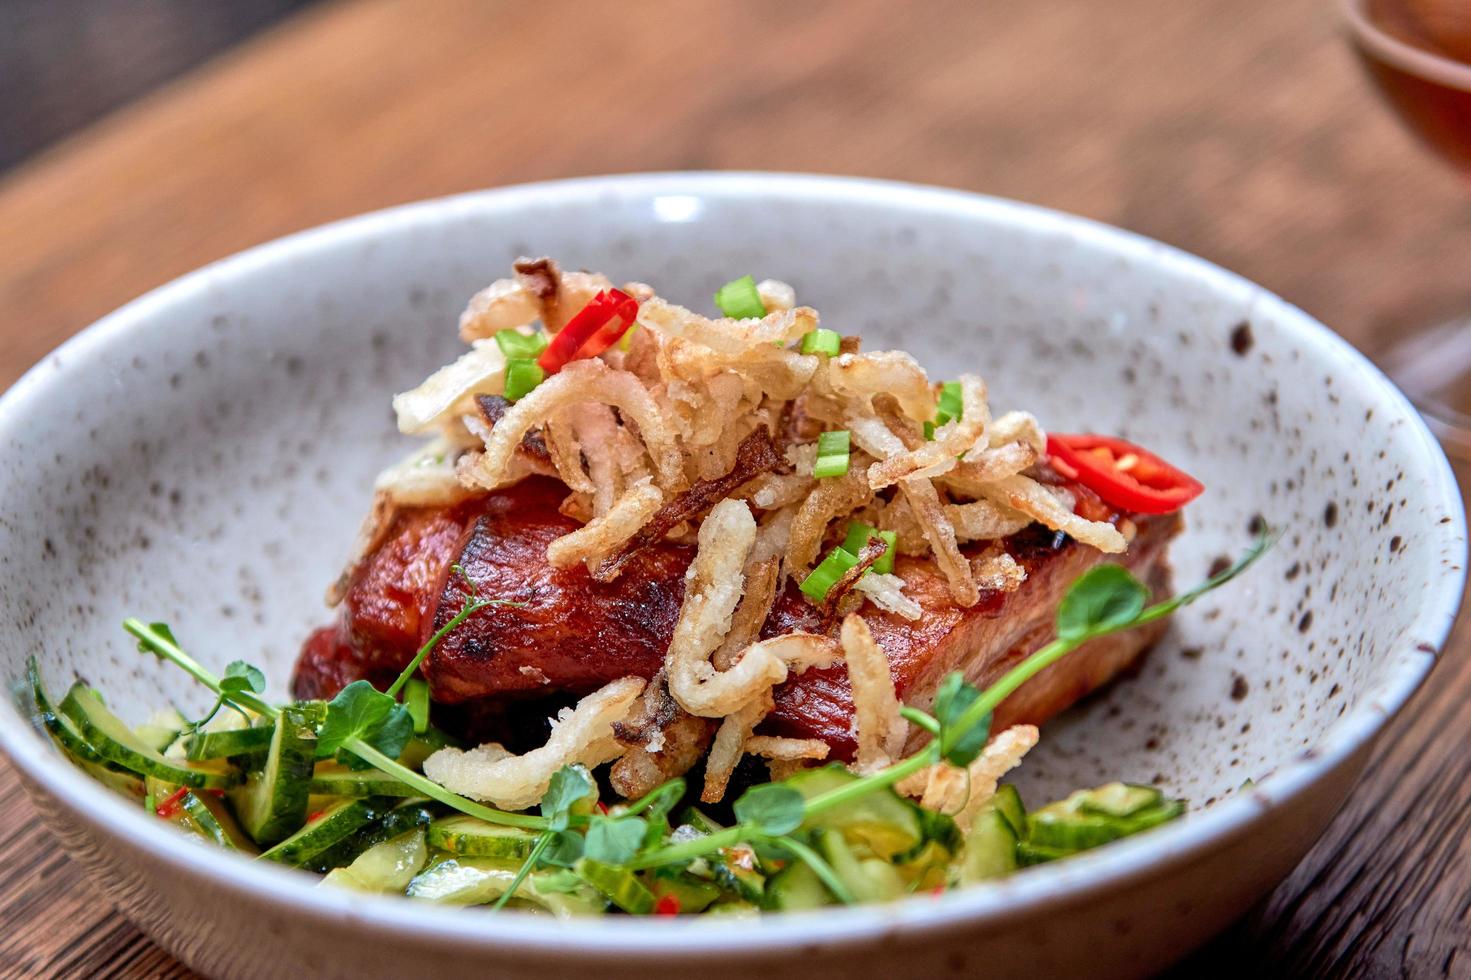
pixel 407 816
pixel 736 872
pixel 369 782
pixel 796 888
pixel 734 908
pixel 61 728
pixel 1116 799
pixel 468 837
pixel 869 879
pixel 620 885
pixel 689 893
pixel 209 818
pixel 387 867
pixel 1028 854
pixel 224 744
pixel 162 730
pixel 479 881
pixel 115 742
pixel 885 823
pixel 990 847
pixel 330 829
pixel 272 803
pixel 1092 818
pixel 1008 802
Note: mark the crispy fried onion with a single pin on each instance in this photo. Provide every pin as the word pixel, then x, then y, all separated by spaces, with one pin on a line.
pixel 924 502
pixel 755 455
pixel 425 477
pixel 750 615
pixel 833 498
pixel 876 720
pixel 449 391
pixel 984 520
pixel 713 585
pixel 1036 501
pixel 604 535
pixel 730 744
pixel 581 381
pixel 997 571
pixel 938 456
pixel 492 407
pixel 961 792
pixel 787 749
pixel 540 291
pixel 887 593
pixel 580 735
pixel 892 372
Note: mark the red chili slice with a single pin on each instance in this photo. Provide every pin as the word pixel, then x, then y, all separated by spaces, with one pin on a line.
pixel 170 806
pixel 1122 473
pixel 596 327
pixel 667 905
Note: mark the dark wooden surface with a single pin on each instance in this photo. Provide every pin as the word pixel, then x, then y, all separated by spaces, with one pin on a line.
pixel 1238 130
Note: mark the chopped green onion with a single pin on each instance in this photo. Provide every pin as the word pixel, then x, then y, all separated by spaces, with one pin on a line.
pixel 626 341
pixel 858 535
pixel 832 454
pixel 522 375
pixel 822 341
pixel 416 699
pixel 950 407
pixel 820 580
pixel 514 343
pixel 739 300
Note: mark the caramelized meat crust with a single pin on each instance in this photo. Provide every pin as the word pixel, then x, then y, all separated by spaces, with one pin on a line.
pixel 570 634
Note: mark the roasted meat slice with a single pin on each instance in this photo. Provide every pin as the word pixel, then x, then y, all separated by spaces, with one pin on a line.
pixel 570 634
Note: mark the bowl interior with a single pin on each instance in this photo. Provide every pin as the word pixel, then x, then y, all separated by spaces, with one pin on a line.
pixel 205 457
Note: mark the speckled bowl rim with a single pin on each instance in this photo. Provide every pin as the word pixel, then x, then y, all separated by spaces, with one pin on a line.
pixel 992 906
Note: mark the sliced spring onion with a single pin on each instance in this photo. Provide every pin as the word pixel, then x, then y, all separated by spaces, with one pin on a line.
pixel 514 343
pixel 832 454
pixel 950 407
pixel 416 699
pixel 858 535
pixel 739 300
pixel 522 375
pixel 820 580
pixel 822 341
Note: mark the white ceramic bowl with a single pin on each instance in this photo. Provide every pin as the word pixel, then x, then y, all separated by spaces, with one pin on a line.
pixel 204 454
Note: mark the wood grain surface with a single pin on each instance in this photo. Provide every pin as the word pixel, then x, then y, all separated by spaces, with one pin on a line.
pixel 1241 131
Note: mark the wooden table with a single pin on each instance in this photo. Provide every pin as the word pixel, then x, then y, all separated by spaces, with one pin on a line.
pixel 1240 131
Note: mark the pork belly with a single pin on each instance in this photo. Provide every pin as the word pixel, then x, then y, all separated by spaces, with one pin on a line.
pixel 570 634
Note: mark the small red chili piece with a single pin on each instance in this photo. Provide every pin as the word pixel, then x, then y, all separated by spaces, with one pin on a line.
pixel 169 808
pixel 314 817
pixel 1123 474
pixel 595 328
pixel 602 807
pixel 667 905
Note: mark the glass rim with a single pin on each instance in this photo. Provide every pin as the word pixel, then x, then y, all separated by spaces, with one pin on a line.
pixel 1402 54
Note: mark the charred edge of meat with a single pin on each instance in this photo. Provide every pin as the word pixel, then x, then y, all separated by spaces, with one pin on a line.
pixel 658 709
pixel 849 344
pixel 640 771
pixel 755 455
pixel 873 549
pixel 541 277
pixel 494 407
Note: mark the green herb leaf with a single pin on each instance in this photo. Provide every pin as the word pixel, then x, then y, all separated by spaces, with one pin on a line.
pixel 772 808
pixel 614 840
pixel 361 711
pixel 564 849
pixel 241 676
pixel 1106 598
pixel 569 786
pixel 557 882
pixel 960 743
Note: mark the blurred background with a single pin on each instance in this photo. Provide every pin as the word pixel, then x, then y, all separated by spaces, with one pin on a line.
pixel 140 139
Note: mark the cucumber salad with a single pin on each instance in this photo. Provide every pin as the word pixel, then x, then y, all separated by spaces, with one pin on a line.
pixel 337 788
